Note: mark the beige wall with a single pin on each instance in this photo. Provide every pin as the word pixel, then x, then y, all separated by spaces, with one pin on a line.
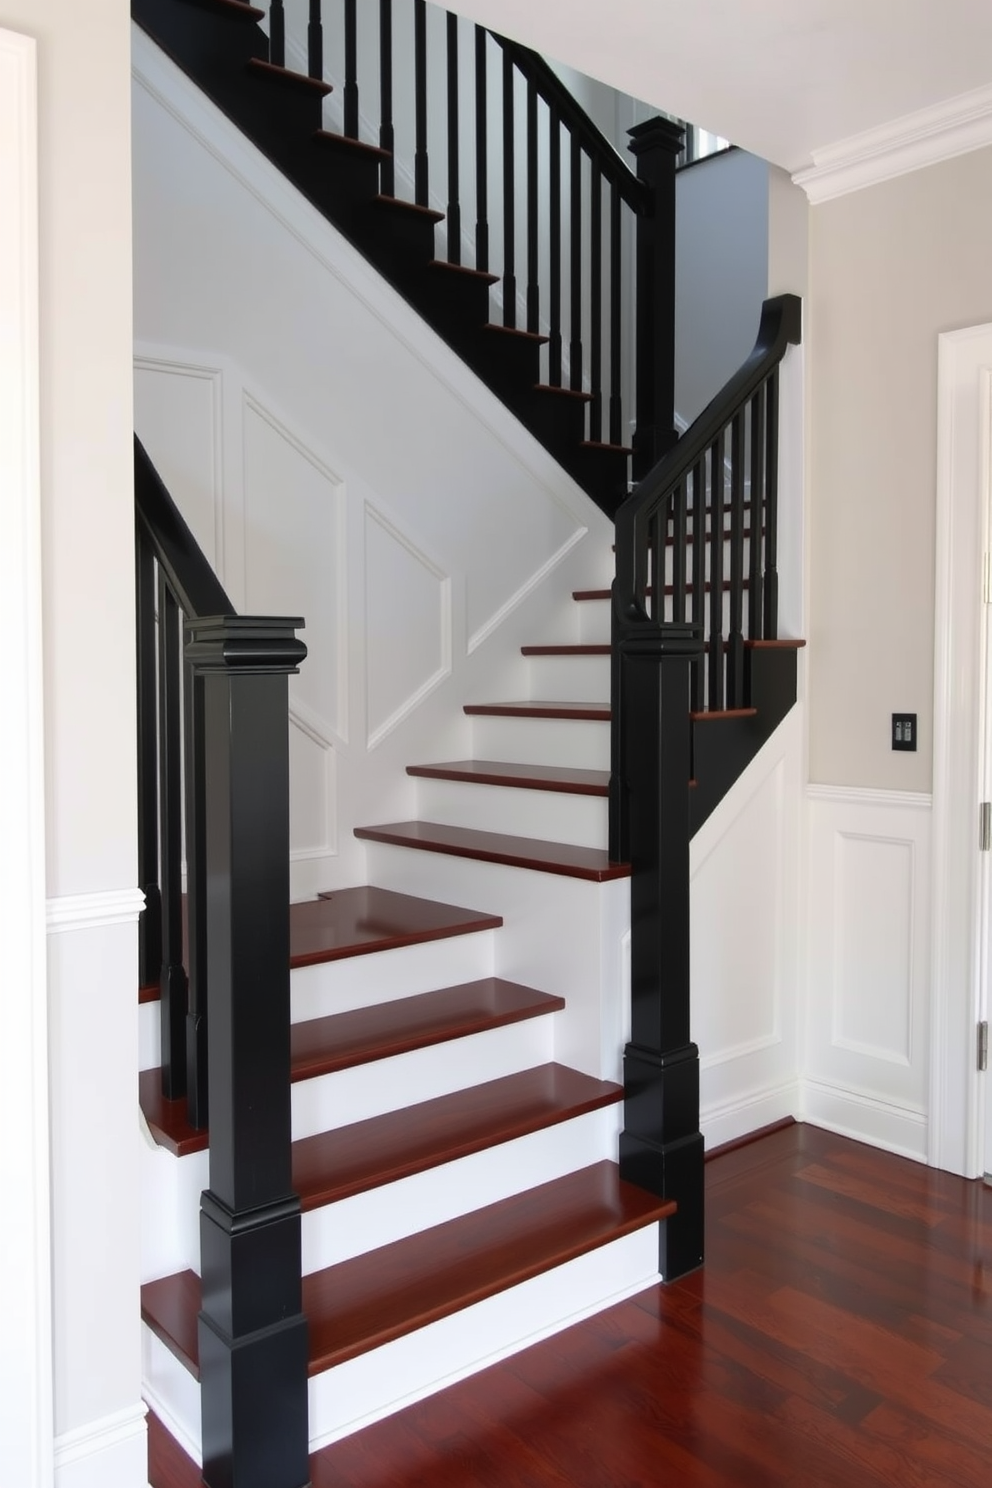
pixel 890 268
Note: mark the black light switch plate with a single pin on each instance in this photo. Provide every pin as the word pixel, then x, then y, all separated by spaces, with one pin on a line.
pixel 904 731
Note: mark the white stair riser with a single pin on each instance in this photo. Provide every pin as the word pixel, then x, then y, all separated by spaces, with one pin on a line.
pixel 369 1090
pixel 576 743
pixel 561 934
pixel 383 976
pixel 359 981
pixel 384 1380
pixel 369 1220
pixel 170 1212
pixel 554 816
pixel 594 621
pixel 578 679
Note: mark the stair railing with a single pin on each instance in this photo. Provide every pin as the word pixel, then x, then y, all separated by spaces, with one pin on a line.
pixel 665 636
pixel 213 750
pixel 531 190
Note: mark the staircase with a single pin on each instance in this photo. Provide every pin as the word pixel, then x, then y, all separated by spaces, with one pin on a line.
pixel 455 1124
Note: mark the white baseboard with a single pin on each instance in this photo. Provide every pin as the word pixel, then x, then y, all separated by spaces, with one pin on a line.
pixel 110 1453
pixel 748 1113
pixel 864 1118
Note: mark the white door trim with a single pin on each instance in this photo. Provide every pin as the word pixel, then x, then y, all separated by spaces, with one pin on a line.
pixel 26 1410
pixel 955 1090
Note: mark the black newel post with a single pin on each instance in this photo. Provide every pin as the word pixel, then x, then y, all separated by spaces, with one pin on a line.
pixel 661 1148
pixel 252 1332
pixel 656 144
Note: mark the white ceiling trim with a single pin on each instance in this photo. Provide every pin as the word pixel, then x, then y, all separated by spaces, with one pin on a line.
pixel 952 127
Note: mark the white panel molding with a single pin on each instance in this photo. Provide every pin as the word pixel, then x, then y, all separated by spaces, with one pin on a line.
pixel 163 361
pixel 963 359
pixel 866 1118
pixel 955 126
pixel 855 795
pixel 486 629
pixel 443 668
pixel 71 912
pixel 302 718
pixel 26 1397
pixel 83 1457
pixel 153 71
pixel 744 1048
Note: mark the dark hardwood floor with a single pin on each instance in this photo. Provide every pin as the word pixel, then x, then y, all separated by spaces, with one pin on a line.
pixel 839 1336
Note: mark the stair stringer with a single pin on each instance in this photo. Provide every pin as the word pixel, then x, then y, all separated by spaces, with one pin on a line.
pixel 289 357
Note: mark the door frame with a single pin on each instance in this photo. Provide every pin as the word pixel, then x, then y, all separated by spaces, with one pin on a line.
pixel 957 1093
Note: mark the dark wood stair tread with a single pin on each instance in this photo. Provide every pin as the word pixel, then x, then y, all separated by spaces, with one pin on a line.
pixel 594 712
pixel 584 594
pixel 515 332
pixel 387 1293
pixel 442 266
pixel 236 9
pixel 350 1160
pixel 788 643
pixel 567 650
pixel 287 78
pixel 328 139
pixel 413 209
pixel 525 777
pixel 563 858
pixel 563 392
pixel 603 446
pixel 720 715
pixel 342 1040
pixel 365 919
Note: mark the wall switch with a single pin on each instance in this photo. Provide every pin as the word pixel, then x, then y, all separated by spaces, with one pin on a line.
pixel 904 731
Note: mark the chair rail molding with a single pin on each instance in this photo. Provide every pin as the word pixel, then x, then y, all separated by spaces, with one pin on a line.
pixel 964 358
pixel 26 1396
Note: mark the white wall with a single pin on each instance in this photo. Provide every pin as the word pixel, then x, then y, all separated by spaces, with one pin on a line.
pixel 426 517
pixel 88 627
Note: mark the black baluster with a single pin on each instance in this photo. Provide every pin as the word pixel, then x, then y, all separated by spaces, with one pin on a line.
pixel 150 925
pixel 350 70
pixel 735 640
pixel 509 199
pixel 679 555
pixel 172 985
pixel 699 578
pixel 657 530
pixel 756 539
pixel 656 144
pixel 481 153
pixel 421 173
pixel 454 222
pixel 196 903
pixel 387 139
pixel 715 645
pixel 596 303
pixel 533 286
pixel 616 400
pixel 277 34
pixel 554 247
pixel 315 41
pixel 575 344
pixel 771 508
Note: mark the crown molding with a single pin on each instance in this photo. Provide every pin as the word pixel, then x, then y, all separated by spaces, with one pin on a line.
pixel 953 127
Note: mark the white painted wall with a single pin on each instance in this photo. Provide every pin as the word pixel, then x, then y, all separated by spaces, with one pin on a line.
pixel 97 1434
pixel 337 460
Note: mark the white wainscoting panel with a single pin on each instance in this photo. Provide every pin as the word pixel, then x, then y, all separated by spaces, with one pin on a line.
pixel 170 395
pixel 866 1055
pixel 744 912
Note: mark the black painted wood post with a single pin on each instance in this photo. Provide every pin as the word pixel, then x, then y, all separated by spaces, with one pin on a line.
pixel 655 144
pixel 252 1332
pixel 150 924
pixel 661 1147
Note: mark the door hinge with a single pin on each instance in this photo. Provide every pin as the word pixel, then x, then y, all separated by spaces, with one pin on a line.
pixel 983 1046
pixel 985 826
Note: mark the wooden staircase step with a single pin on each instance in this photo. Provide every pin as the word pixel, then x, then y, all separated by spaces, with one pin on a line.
pixel 350 1160
pixel 412 210
pixel 168 1120
pixel 563 858
pixel 587 594
pixel 551 391
pixel 533 709
pixel 569 650
pixel 343 1040
pixel 235 10
pixel 525 777
pixel 342 143
pixel 534 338
pixel 441 266
pixel 362 920
pixel 388 1293
pixel 285 77
pixel 720 715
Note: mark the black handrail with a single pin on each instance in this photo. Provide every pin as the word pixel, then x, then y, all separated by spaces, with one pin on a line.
pixel 227 680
